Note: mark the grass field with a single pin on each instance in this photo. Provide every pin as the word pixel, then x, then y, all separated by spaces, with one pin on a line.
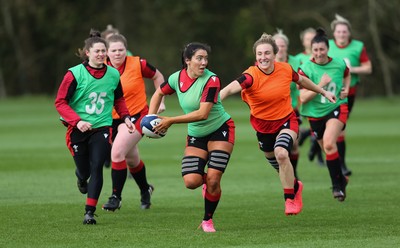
pixel 40 205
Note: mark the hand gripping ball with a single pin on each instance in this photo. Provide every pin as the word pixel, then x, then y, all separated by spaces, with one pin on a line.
pixel 148 123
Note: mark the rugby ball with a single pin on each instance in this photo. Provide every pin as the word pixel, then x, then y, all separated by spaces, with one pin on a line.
pixel 148 123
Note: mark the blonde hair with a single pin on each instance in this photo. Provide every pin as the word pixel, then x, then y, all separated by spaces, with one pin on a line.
pixel 109 30
pixel 340 20
pixel 305 31
pixel 266 39
pixel 281 35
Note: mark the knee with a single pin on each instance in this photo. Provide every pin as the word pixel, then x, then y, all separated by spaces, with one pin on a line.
pixel 329 148
pixel 192 181
pixel 213 186
pixel 132 162
pixel 117 155
pixel 283 144
pixel 191 185
pixel 281 154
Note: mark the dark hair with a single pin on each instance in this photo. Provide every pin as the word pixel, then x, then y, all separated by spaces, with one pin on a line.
pixel 190 49
pixel 320 36
pixel 94 37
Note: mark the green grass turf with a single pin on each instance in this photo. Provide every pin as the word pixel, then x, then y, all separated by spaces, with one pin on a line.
pixel 40 205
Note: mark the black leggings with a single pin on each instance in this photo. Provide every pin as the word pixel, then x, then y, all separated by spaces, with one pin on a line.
pixel 89 156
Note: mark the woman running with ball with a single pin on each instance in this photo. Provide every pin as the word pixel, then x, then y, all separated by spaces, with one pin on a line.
pixel 211 131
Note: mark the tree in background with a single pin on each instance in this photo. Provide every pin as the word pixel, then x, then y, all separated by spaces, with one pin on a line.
pixel 39 38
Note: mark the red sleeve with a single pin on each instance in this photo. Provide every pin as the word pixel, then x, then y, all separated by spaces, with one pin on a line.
pixel 295 76
pixel 300 72
pixel 166 89
pixel 211 90
pixel 148 71
pixel 245 81
pixel 346 72
pixel 364 56
pixel 64 94
pixel 119 102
